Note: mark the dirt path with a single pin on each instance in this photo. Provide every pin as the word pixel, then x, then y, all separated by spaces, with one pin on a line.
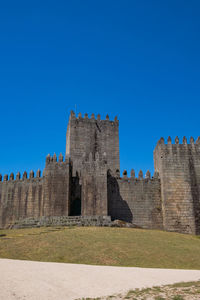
pixel 39 280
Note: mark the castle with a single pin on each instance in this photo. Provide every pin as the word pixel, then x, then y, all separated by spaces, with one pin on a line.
pixel 88 183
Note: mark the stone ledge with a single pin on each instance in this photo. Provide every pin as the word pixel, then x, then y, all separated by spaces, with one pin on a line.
pixel 62 221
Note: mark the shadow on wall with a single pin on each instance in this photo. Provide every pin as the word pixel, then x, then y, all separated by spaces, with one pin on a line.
pixel 118 209
pixel 75 203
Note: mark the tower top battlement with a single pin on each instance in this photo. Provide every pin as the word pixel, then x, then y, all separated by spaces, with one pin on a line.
pixel 92 118
pixel 91 135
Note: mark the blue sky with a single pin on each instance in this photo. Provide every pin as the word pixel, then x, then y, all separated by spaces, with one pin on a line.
pixel 138 60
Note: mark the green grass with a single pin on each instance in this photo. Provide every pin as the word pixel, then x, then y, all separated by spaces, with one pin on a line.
pixel 103 246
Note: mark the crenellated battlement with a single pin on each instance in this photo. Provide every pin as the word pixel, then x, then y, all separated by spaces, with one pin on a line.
pixel 135 199
pixel 85 117
pixel 178 164
pixel 18 177
pixel 53 159
pixel 87 135
pixel 133 178
pixel 177 141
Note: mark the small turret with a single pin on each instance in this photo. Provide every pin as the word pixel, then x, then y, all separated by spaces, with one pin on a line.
pixel 93 117
pixel 48 159
pixel 198 140
pixel 176 140
pixel 24 175
pixel 161 141
pixel 132 174
pixel 5 178
pixel 140 175
pixel 11 176
pixel 191 140
pixel 148 175
pixel 98 117
pixel 60 157
pixel 107 117
pixel 169 140
pixel 38 173
pixel 31 174
pixel 86 116
pixel 72 115
pixel 184 140
pixel 54 158
pixel 18 176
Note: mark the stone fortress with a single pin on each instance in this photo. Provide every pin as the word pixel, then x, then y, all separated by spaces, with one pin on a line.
pixel 87 183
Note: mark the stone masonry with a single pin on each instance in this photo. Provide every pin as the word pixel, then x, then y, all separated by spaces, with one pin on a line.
pixel 85 187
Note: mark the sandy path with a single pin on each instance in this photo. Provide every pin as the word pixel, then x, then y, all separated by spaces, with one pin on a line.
pixel 39 280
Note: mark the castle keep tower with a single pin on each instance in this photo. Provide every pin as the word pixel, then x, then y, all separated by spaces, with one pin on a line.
pixel 92 145
pixel 89 135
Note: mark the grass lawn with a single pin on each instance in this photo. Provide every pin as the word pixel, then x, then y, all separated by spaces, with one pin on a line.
pixel 103 246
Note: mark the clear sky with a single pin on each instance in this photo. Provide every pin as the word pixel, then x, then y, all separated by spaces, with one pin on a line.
pixel 139 60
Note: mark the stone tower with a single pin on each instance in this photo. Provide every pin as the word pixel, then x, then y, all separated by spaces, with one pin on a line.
pixel 89 135
pixel 179 169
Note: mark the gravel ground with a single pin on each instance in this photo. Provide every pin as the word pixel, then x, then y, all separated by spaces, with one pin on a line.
pixel 48 281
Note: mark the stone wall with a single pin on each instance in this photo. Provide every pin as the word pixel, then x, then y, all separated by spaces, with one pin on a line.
pixel 136 200
pixel 94 187
pixel 56 187
pixel 179 169
pixel 90 135
pixel 36 196
pixel 20 198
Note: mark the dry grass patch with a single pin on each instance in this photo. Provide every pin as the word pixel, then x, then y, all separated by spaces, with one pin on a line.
pixel 178 291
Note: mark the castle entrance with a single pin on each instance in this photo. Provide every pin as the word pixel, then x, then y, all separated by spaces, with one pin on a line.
pixel 75 201
pixel 75 207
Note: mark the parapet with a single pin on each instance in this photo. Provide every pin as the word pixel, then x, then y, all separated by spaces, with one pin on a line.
pixel 92 118
pixel 177 141
pixel 134 178
pixel 18 176
pixel 53 159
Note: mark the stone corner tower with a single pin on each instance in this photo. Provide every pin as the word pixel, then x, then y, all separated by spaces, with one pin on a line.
pixel 179 169
pixel 90 135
